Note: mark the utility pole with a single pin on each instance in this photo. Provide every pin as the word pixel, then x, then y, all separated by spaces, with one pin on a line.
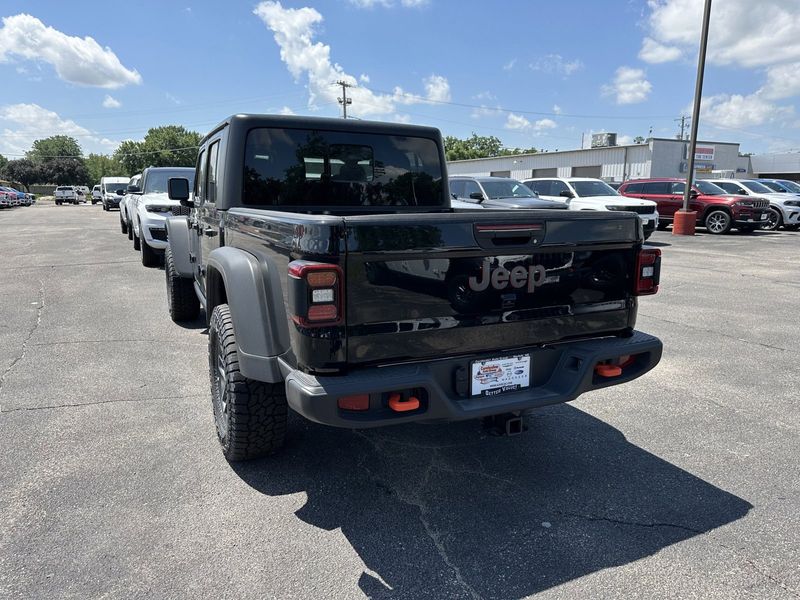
pixel 344 100
pixel 684 221
pixel 682 121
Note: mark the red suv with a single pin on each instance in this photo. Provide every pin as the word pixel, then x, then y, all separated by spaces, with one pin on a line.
pixel 717 210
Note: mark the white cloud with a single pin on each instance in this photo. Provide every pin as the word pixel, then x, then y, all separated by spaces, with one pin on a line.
pixel 555 63
pixel 783 81
pixel 81 61
pixel 485 111
pixel 173 99
pixel 520 123
pixel 556 109
pixel 629 86
pixel 398 118
pixel 437 89
pixel 745 33
pixel 25 123
pixel 110 102
pixel 286 111
pixel 653 52
pixel 624 140
pixel 736 110
pixel 510 64
pixel 363 78
pixel 294 31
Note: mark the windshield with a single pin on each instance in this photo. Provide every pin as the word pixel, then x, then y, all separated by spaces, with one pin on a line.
pixel 755 187
pixel 111 188
pixel 791 186
pixel 305 167
pixel 709 189
pixel 587 189
pixel 506 189
pixel 156 181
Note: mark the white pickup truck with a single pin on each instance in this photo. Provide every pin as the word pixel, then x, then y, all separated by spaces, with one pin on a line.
pixel 69 194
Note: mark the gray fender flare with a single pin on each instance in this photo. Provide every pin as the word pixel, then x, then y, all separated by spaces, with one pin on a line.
pixel 178 236
pixel 254 295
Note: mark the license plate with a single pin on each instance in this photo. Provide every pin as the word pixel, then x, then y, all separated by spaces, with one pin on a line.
pixel 498 375
pixel 764 217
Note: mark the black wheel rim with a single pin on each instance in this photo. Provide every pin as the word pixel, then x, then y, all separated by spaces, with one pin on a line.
pixel 772 221
pixel 220 395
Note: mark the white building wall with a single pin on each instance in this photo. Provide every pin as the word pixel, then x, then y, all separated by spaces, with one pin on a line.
pixel 618 163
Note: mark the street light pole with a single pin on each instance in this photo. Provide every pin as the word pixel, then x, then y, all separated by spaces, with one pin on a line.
pixel 687 219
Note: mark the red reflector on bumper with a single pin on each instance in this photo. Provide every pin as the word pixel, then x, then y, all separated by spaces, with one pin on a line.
pixel 356 402
pixel 323 312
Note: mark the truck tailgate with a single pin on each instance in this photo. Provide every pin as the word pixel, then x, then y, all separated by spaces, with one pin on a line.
pixel 428 286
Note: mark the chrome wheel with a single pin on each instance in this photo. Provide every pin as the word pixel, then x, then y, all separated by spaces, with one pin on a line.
pixel 718 222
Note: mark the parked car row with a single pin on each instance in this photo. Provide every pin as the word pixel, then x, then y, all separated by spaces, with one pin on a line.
pixel 144 207
pixel 721 204
pixel 10 197
pixel 572 193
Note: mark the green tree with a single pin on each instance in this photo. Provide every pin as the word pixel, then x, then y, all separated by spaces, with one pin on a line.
pixel 638 140
pixel 100 165
pixel 23 171
pixel 513 151
pixel 66 171
pixel 476 146
pixel 3 162
pixel 55 146
pixel 166 146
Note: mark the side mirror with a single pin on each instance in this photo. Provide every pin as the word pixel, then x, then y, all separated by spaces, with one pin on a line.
pixel 567 194
pixel 453 196
pixel 476 196
pixel 693 193
pixel 120 192
pixel 178 189
pixel 133 189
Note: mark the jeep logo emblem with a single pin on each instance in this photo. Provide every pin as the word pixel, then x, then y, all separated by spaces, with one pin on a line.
pixel 501 278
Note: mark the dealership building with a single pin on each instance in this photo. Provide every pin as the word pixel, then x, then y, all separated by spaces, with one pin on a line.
pixel 656 157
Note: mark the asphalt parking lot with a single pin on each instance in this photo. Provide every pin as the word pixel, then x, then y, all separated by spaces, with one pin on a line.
pixel 682 484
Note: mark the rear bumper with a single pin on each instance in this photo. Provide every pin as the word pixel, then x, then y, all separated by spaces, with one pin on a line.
pixel 559 374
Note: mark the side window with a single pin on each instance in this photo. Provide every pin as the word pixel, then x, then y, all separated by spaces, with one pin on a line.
pixel 655 187
pixel 633 188
pixel 557 187
pixel 457 188
pixel 471 187
pixel 731 188
pixel 678 187
pixel 540 187
pixel 200 178
pixel 211 184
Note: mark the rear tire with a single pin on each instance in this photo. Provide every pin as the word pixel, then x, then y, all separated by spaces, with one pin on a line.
pixel 123 227
pixel 791 227
pixel 181 298
pixel 718 222
pixel 136 244
pixel 250 415
pixel 662 225
pixel 130 230
pixel 150 257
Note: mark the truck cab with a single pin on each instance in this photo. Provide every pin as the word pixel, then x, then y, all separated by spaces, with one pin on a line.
pixel 338 282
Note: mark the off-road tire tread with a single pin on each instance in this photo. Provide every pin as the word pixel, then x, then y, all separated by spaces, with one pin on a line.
pixel 182 300
pixel 258 411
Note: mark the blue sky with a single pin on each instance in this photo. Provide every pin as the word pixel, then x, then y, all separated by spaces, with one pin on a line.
pixel 533 73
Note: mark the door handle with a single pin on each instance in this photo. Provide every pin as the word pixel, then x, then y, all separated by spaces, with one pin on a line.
pixel 210 232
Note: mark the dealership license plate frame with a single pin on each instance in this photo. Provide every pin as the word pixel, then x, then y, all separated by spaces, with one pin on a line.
pixel 512 382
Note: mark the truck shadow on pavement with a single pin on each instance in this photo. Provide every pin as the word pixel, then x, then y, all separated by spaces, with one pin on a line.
pixel 450 511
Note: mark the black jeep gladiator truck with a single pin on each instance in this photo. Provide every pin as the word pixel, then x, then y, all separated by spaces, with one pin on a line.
pixel 337 281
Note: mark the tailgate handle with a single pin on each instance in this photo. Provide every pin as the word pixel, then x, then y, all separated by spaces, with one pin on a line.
pixel 527 234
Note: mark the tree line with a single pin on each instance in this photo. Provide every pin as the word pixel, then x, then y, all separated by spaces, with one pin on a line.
pixel 59 159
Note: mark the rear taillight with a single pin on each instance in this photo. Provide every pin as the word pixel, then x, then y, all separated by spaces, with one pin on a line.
pixel 648 271
pixel 316 296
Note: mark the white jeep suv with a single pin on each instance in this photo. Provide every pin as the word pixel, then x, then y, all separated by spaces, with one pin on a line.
pixel 150 208
pixel 784 208
pixel 586 193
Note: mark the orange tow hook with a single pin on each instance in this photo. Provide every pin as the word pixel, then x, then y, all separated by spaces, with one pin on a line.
pixel 397 404
pixel 608 370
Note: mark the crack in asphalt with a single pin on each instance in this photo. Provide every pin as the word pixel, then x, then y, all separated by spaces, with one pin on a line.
pixel 31 331
pixel 414 500
pixel 719 333
pixel 97 402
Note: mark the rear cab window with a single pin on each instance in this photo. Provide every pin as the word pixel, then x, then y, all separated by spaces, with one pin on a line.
pixel 326 170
